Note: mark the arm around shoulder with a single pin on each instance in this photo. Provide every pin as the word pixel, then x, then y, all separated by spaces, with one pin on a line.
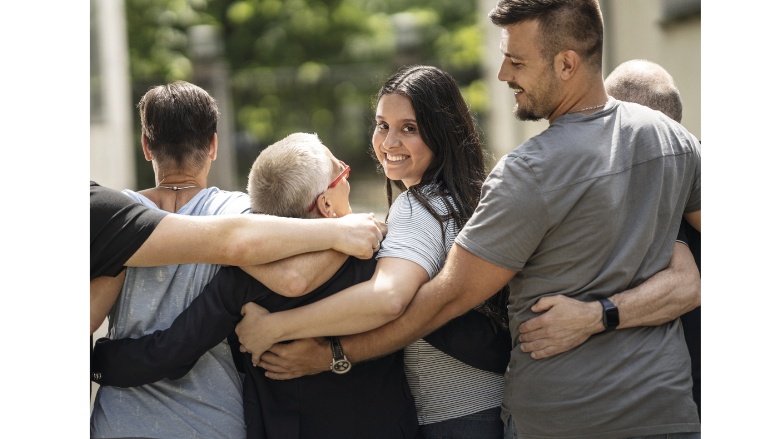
pixel 465 281
pixel 250 239
pixel 298 275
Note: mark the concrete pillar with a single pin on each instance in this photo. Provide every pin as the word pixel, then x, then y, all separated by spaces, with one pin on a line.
pixel 111 144
pixel 211 74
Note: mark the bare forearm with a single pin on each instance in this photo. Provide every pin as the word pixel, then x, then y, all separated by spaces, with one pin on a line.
pixel 243 240
pixel 464 282
pixel 351 311
pixel 398 334
pixel 280 239
pixel 103 292
pixel 229 240
pixel 422 317
pixel 357 308
pixel 298 275
pixel 665 296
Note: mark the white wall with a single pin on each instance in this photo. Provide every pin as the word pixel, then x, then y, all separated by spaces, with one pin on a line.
pixel 635 29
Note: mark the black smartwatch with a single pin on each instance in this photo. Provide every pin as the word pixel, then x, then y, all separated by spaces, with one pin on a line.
pixel 610 316
pixel 340 363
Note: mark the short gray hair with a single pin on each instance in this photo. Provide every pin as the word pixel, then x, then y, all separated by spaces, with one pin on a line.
pixel 645 83
pixel 289 175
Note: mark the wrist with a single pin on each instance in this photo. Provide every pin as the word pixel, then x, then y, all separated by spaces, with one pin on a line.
pixel 324 354
pixel 273 326
pixel 337 233
pixel 610 315
pixel 596 313
pixel 327 233
pixel 349 349
pixel 340 363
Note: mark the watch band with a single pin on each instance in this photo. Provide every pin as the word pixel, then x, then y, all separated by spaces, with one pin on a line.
pixel 610 316
pixel 340 363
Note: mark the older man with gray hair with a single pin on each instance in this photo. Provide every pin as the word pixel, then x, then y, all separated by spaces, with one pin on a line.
pixel 645 83
pixel 649 84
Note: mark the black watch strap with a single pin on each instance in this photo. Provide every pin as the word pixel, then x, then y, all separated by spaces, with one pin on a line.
pixel 340 363
pixel 610 315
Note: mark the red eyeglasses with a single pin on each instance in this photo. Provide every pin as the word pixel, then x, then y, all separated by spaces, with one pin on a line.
pixel 343 174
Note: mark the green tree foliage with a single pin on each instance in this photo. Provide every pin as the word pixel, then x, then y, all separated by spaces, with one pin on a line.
pixel 307 65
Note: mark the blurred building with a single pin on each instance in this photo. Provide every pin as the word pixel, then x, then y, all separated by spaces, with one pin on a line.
pixel 667 32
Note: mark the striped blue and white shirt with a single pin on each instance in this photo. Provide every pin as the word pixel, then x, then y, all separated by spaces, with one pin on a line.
pixel 443 387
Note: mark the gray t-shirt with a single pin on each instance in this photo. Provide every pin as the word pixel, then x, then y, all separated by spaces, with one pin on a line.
pixel 207 402
pixel 588 208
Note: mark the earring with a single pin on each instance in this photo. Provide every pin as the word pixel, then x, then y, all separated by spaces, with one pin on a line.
pixel 334 215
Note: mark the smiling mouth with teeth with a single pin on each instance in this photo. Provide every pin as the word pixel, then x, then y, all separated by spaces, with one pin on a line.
pixel 516 88
pixel 395 158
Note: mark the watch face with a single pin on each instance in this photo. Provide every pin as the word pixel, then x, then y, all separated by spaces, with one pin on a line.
pixel 341 366
pixel 611 316
pixel 611 319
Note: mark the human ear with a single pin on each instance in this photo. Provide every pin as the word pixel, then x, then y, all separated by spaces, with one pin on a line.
pixel 328 210
pixel 145 146
pixel 566 64
pixel 213 147
pixel 323 206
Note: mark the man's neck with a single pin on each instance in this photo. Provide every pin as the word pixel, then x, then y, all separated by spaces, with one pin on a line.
pixel 587 98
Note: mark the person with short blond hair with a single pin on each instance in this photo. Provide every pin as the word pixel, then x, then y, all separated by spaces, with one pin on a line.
pixel 284 177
